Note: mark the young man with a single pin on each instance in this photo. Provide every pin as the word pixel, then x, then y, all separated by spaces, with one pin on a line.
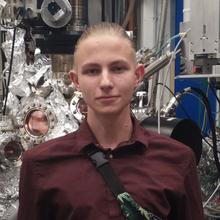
pixel 59 182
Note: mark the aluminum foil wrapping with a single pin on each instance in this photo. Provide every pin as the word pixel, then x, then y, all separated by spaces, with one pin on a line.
pixel 12 111
pixel 54 101
pixel 20 86
pixel 31 77
pixel 8 192
pixel 31 86
pixel 207 171
pixel 209 181
pixel 40 68
pixel 37 80
pixel 66 121
pixel 9 179
pixel 19 50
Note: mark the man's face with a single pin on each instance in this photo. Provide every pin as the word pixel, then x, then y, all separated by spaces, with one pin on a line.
pixel 106 74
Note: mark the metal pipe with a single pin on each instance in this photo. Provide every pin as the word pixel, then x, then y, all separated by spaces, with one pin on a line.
pixel 113 10
pixel 1 74
pixel 129 13
pixel 186 10
pixel 103 10
pixel 79 15
pixel 161 31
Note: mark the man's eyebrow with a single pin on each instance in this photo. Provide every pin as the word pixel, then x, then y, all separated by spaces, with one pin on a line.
pixel 116 62
pixel 119 62
pixel 90 65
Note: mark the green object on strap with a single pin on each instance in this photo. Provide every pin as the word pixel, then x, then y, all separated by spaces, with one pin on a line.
pixel 132 211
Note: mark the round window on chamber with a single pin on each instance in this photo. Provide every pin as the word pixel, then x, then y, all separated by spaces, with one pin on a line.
pixel 82 107
pixel 37 123
pixel 13 151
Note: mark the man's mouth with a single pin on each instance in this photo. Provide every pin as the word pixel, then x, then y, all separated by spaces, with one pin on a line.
pixel 107 97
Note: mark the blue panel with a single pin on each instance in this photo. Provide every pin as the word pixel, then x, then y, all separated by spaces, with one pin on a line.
pixel 190 103
pixel 193 104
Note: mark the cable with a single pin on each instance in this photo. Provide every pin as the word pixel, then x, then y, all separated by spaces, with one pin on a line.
pixel 10 70
pixel 182 107
pixel 208 142
pixel 208 200
pixel 166 75
pixel 213 209
pixel 214 93
pixel 167 42
pixel 205 101
pixel 211 121
pixel 184 110
pixel 212 216
pixel 201 101
pixel 188 116
pixel 204 115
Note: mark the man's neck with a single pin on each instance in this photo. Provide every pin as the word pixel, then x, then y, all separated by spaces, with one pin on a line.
pixel 110 130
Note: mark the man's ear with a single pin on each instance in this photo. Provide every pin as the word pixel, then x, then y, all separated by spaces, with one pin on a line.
pixel 74 78
pixel 139 73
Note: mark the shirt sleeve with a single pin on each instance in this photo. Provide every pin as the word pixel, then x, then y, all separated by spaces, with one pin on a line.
pixel 192 200
pixel 30 206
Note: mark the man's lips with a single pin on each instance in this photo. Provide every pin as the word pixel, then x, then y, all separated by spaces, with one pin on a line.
pixel 107 97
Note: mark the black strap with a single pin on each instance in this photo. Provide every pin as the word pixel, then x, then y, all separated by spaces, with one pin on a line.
pixel 99 160
pixel 130 209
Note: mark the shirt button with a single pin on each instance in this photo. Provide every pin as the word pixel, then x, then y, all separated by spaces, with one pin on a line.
pixel 110 156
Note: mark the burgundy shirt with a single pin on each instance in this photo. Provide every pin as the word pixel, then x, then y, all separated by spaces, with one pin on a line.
pixel 58 182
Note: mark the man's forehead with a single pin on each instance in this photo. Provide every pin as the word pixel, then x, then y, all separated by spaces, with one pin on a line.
pixel 100 45
pixel 96 40
pixel 94 44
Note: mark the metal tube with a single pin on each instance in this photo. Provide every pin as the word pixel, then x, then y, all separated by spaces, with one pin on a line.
pixel 161 31
pixel 186 10
pixel 79 15
pixel 1 74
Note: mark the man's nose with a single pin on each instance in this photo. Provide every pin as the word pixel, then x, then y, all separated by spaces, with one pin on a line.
pixel 106 80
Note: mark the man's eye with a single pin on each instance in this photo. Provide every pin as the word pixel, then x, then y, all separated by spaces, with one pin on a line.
pixel 91 71
pixel 118 69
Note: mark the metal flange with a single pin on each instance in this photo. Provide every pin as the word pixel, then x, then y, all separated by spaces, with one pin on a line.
pixel 38 120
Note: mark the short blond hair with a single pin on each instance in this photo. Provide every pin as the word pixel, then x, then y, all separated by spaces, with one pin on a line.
pixel 113 29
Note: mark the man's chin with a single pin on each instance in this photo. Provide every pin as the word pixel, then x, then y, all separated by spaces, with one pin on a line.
pixel 110 112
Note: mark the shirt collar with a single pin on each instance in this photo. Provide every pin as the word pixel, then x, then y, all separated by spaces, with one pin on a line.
pixel 84 136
